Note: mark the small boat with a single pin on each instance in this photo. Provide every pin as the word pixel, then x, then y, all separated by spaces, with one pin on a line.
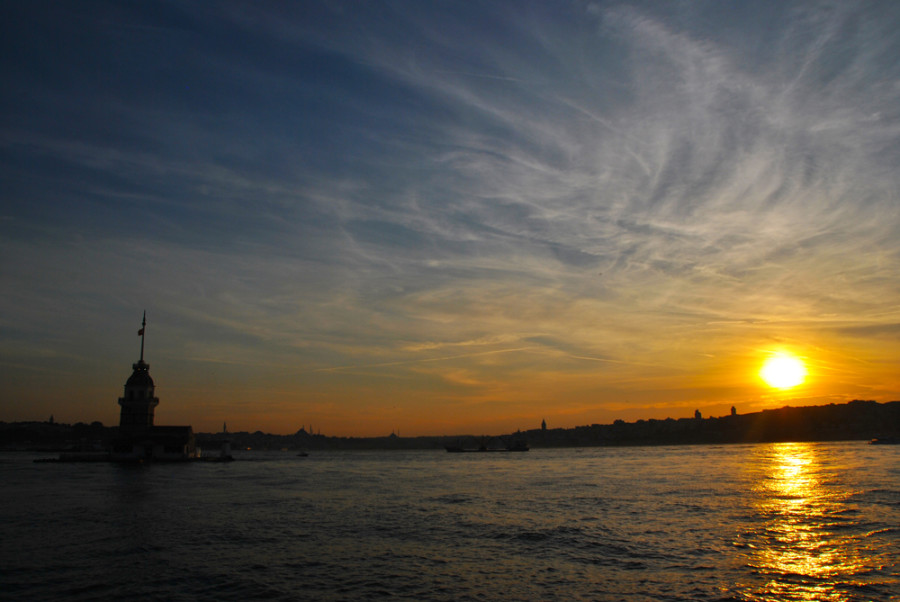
pixel 78 457
pixel 518 446
pixel 456 449
pixel 228 458
pixel 885 441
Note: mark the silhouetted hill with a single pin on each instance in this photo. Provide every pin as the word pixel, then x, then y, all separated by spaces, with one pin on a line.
pixel 852 421
pixel 54 436
pixel 857 420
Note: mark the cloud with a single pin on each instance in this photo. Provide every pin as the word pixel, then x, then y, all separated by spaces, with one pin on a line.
pixel 583 185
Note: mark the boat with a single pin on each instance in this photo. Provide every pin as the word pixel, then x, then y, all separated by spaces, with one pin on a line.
pixel 228 458
pixel 518 446
pixel 78 457
pixel 885 441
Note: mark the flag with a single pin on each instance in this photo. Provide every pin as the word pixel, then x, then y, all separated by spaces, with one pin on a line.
pixel 141 332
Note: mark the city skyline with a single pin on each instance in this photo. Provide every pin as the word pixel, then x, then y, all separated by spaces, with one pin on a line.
pixel 437 218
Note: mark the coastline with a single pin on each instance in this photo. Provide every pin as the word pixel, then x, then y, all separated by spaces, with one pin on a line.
pixel 856 420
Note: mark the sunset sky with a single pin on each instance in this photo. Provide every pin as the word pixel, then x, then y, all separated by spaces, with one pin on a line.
pixel 442 217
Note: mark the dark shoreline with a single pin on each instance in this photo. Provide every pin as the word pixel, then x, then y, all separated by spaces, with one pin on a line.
pixel 856 420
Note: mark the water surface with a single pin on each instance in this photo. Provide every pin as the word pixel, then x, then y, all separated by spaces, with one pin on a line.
pixel 744 522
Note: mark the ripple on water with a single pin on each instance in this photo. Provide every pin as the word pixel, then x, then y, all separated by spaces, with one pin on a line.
pixel 754 522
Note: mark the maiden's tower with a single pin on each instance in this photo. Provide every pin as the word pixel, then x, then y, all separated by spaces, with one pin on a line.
pixel 138 438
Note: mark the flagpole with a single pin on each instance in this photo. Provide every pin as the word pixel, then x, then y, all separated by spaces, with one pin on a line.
pixel 143 328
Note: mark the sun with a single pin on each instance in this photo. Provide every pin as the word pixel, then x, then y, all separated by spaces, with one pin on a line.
pixel 783 371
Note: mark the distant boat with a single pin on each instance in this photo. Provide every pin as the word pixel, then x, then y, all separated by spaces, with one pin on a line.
pixel 885 441
pixel 228 458
pixel 78 457
pixel 518 446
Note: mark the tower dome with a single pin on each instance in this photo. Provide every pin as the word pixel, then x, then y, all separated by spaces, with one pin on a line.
pixel 140 378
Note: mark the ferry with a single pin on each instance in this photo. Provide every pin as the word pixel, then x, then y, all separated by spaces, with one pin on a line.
pixel 518 446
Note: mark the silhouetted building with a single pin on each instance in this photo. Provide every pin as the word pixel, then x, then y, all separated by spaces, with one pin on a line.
pixel 138 403
pixel 698 415
pixel 544 424
pixel 138 438
pixel 733 411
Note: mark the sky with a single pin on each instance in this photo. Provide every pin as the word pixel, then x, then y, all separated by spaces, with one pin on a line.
pixel 446 217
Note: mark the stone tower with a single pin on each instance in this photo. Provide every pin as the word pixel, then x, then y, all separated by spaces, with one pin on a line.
pixel 138 403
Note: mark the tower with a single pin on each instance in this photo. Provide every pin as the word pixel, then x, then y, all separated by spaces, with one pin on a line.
pixel 138 402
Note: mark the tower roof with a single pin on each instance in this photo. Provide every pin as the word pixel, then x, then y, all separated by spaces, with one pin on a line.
pixel 141 375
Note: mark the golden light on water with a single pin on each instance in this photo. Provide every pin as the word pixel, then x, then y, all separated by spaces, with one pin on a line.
pixel 783 371
pixel 800 546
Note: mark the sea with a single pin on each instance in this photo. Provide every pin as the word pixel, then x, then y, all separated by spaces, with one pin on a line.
pixel 782 521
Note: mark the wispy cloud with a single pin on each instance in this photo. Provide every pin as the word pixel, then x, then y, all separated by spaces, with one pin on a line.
pixel 546 189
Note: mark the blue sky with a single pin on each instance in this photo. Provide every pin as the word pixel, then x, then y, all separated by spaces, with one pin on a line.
pixel 442 217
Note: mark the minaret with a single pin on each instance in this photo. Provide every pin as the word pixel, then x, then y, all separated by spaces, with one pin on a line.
pixel 138 402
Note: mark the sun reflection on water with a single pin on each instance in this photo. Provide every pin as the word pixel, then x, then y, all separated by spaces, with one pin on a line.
pixel 801 545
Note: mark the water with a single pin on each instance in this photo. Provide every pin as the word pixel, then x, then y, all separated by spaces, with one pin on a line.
pixel 746 522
